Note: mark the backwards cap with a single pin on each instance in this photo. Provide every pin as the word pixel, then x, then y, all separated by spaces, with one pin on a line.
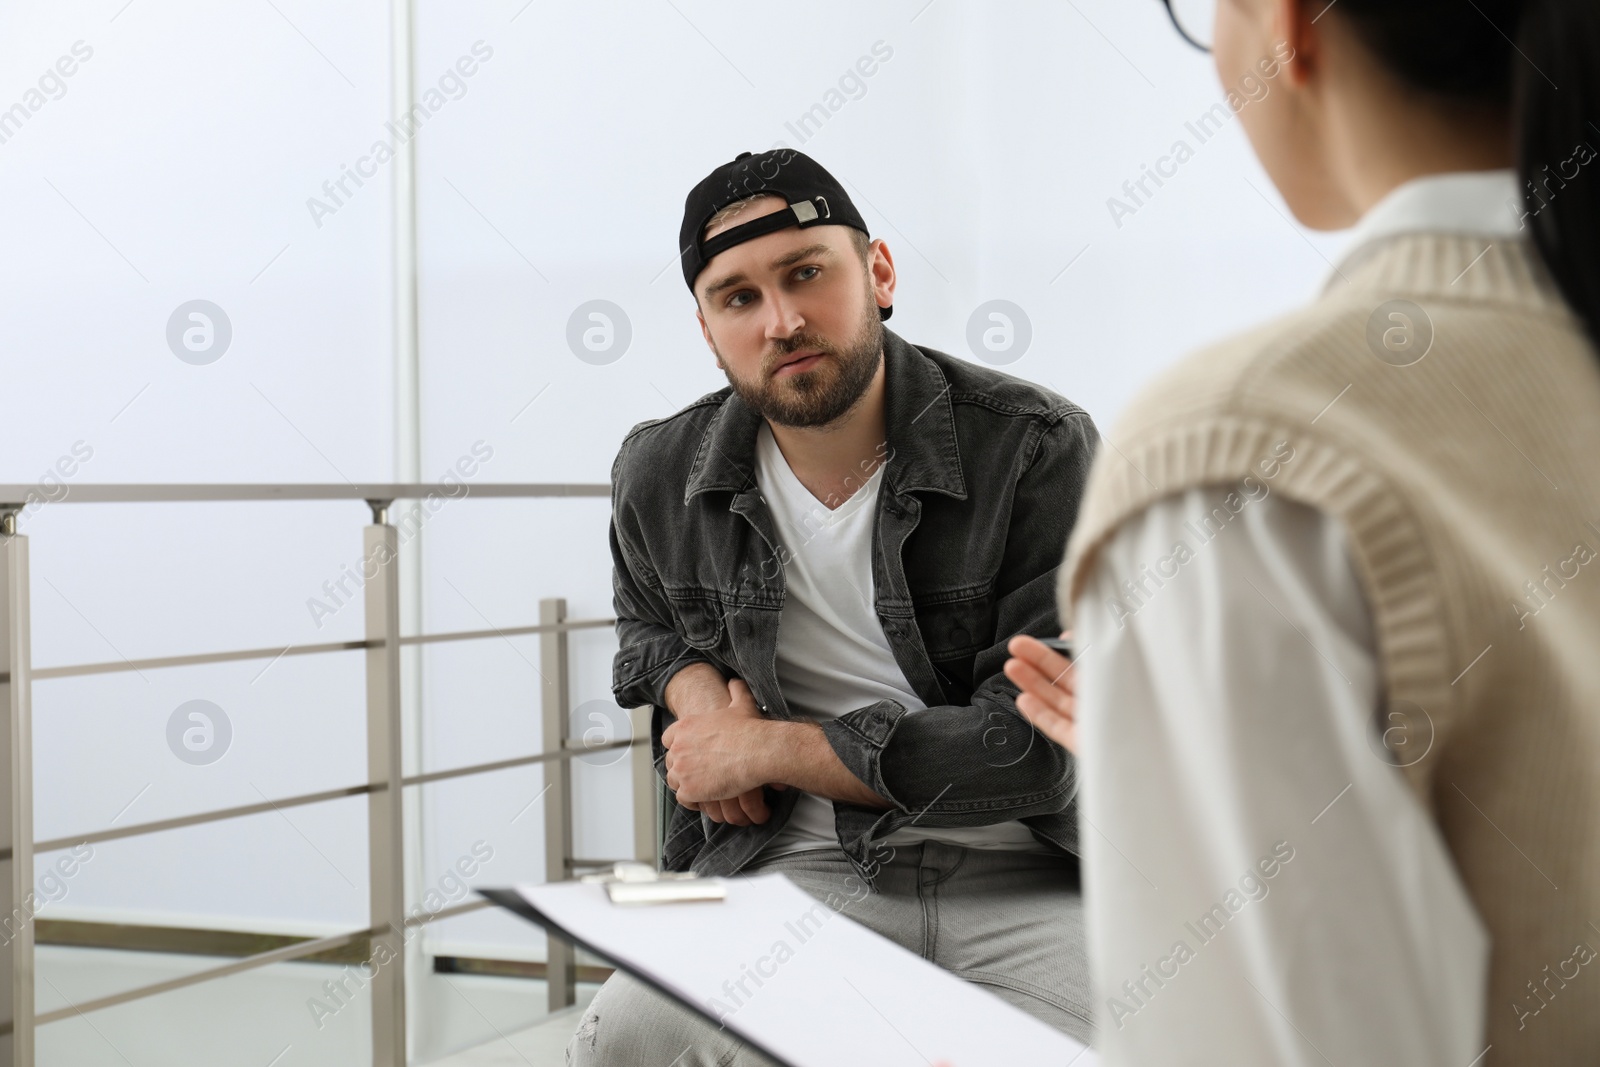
pixel 814 196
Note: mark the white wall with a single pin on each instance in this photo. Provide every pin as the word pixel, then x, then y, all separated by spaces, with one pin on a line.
pixel 178 164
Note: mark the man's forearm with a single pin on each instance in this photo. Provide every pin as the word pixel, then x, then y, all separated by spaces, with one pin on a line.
pixel 800 757
pixel 956 765
pixel 698 687
pixel 730 742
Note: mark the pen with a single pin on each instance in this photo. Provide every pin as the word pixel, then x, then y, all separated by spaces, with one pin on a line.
pixel 1059 644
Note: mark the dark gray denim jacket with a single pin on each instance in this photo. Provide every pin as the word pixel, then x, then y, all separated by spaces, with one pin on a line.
pixel 983 477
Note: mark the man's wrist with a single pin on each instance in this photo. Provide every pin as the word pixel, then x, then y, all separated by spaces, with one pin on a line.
pixel 778 743
pixel 799 756
pixel 695 688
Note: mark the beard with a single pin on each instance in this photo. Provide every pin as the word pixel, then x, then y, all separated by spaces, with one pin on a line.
pixel 821 395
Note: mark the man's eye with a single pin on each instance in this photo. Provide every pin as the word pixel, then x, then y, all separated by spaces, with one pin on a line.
pixel 805 274
pixel 737 300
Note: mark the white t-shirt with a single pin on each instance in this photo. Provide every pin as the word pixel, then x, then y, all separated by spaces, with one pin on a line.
pixel 832 655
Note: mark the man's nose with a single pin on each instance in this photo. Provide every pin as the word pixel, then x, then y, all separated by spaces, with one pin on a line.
pixel 784 319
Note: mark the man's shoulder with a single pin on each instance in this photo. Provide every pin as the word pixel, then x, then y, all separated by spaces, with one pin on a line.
pixel 689 422
pixel 672 440
pixel 983 388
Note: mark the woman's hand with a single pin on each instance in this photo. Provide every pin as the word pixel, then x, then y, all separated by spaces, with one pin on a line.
pixel 1047 680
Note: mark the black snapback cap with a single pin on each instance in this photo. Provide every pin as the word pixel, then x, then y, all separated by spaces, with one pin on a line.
pixel 814 196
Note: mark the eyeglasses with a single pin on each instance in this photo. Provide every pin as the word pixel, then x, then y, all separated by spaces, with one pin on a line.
pixel 1195 20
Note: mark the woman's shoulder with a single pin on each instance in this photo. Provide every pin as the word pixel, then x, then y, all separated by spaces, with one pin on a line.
pixel 1299 353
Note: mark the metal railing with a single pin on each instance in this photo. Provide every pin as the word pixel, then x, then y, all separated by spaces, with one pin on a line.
pixel 386 932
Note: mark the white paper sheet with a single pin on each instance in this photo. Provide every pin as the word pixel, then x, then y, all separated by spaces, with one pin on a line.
pixel 811 986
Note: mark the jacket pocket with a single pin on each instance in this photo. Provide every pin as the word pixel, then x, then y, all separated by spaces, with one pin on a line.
pixel 699 622
pixel 955 629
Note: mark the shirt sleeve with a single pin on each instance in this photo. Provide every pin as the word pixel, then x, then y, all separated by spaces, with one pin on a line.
pixel 1261 886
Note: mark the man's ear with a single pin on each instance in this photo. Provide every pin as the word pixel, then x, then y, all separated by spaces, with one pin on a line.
pixel 880 270
pixel 705 331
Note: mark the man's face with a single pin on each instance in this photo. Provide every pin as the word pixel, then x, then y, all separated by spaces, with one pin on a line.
pixel 792 319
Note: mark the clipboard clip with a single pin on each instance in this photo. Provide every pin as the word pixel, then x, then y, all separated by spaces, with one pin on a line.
pixel 639 883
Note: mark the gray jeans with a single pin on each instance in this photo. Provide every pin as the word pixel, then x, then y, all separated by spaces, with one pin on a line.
pixel 1011 922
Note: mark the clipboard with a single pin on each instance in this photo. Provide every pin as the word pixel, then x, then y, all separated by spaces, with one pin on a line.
pixel 794 979
pixel 514 901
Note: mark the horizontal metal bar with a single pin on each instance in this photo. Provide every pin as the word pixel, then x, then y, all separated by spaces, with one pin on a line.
pixel 509 631
pixel 575 864
pixel 181 821
pixel 160 662
pixel 178 940
pixel 448 913
pixel 249 963
pixel 518 761
pixel 217 815
pixel 158 493
pixel 585 973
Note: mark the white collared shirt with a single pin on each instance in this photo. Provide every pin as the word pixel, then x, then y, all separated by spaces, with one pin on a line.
pixel 1228 730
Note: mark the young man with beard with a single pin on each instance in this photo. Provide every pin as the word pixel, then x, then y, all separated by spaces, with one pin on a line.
pixel 817 570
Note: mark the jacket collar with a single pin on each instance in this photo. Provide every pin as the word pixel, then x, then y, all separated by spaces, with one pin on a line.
pixel 918 414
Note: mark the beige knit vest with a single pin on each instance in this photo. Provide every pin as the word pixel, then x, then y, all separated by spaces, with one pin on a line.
pixel 1468 483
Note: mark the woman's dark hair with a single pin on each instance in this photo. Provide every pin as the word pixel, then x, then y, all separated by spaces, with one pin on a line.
pixel 1539 58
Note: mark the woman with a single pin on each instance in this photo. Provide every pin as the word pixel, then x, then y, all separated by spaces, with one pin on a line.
pixel 1337 588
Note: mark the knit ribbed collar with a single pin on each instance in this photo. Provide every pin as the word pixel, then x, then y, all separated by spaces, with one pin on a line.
pixel 1485 203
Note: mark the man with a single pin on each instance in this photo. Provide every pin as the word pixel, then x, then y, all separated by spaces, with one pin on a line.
pixel 817 571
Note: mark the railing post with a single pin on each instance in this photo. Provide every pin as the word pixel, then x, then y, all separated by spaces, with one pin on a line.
pixel 385 813
pixel 17 901
pixel 555 708
pixel 642 760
